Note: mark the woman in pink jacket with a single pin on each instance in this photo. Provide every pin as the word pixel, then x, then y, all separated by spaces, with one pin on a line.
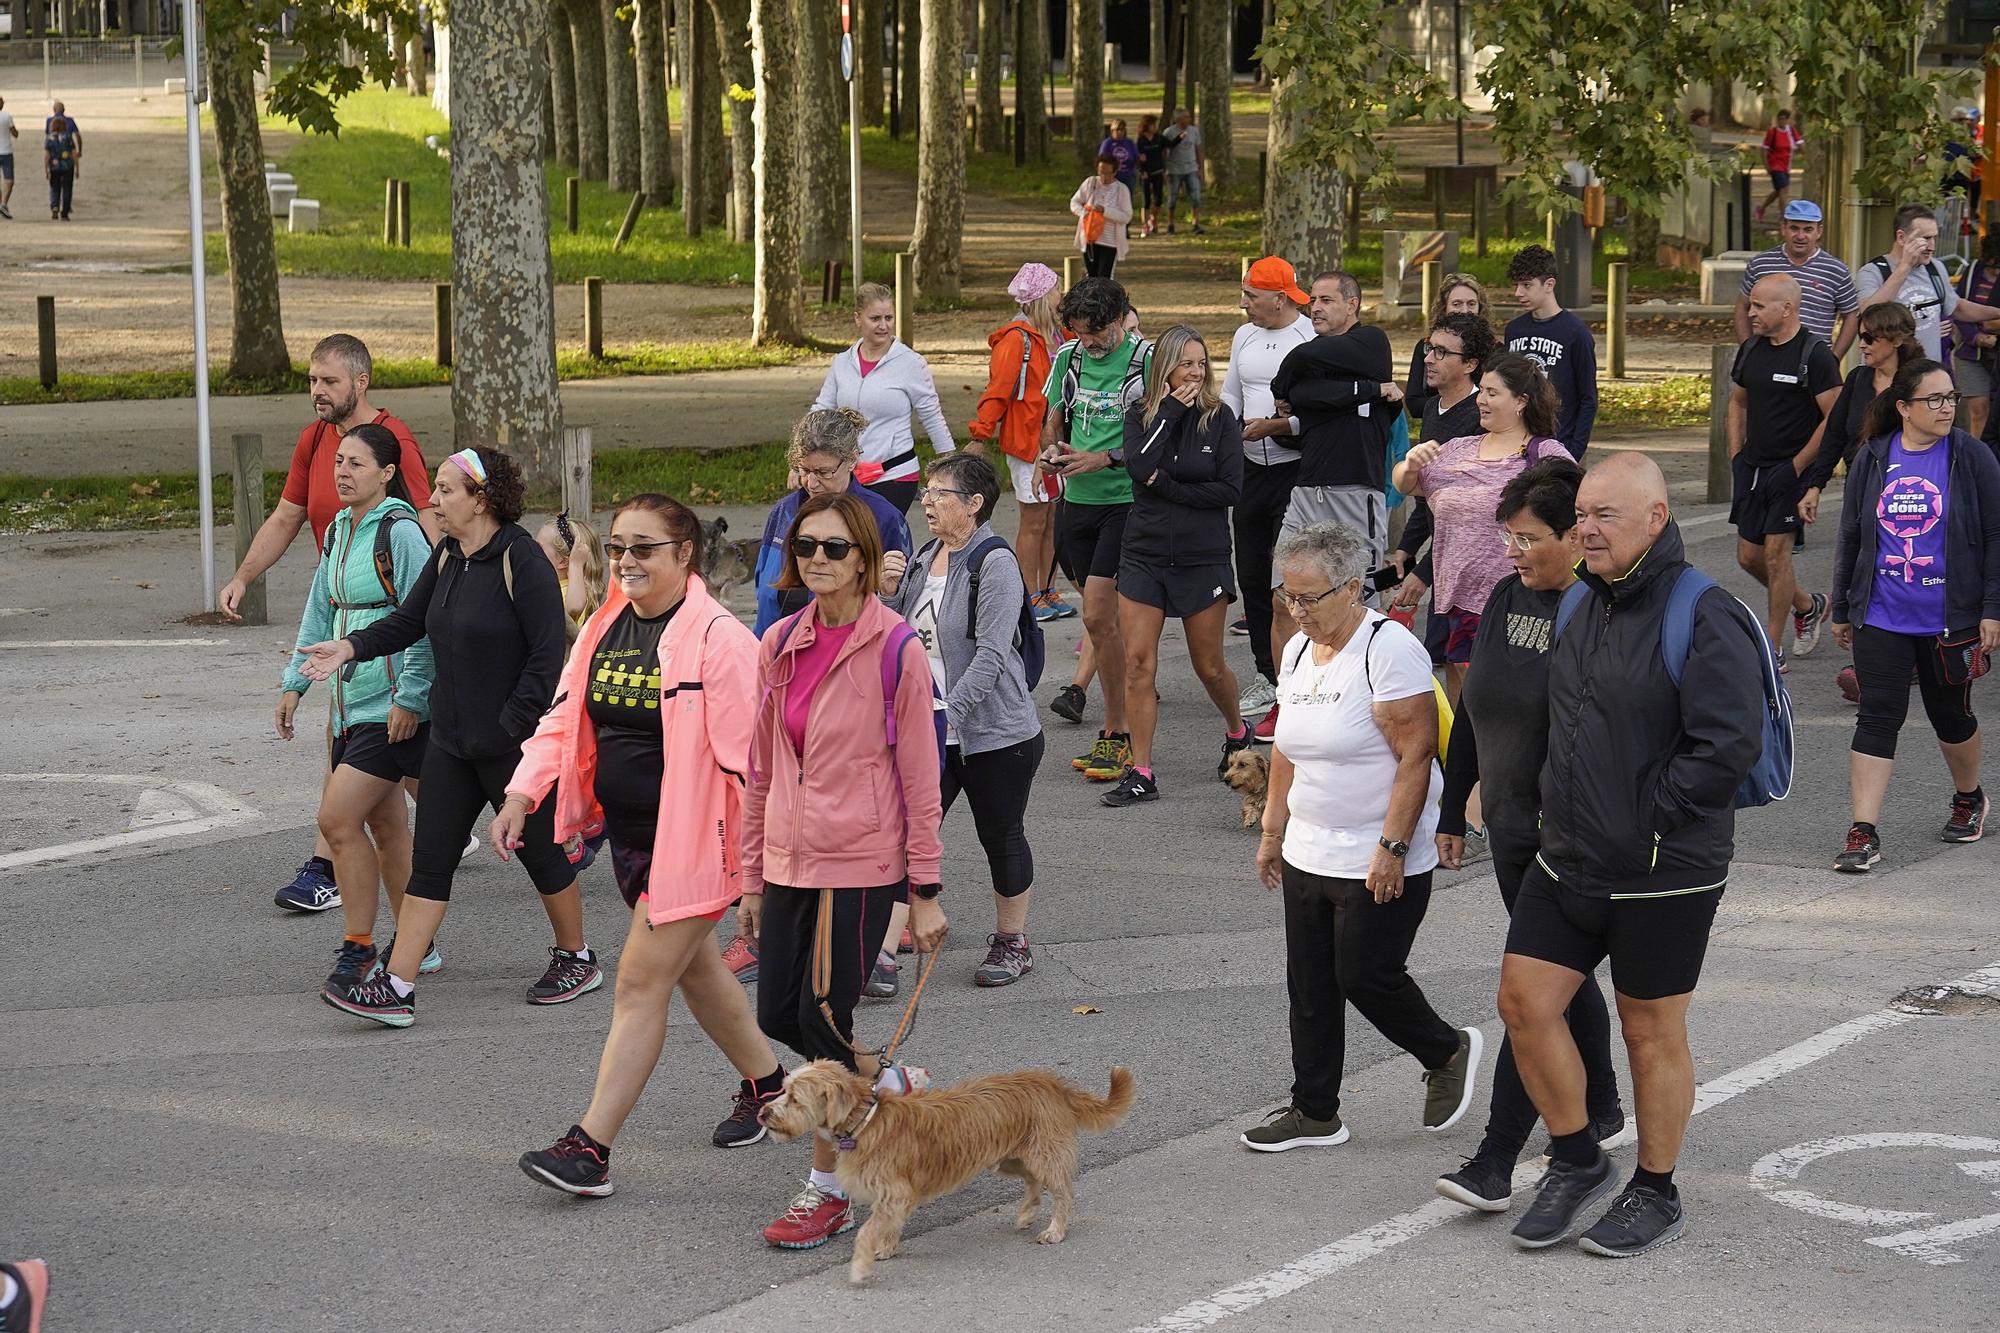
pixel 841 815
pixel 650 738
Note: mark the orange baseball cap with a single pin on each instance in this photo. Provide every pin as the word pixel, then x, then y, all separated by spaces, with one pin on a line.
pixel 1272 274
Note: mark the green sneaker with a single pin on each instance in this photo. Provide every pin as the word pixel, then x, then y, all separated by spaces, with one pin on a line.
pixel 1289 1128
pixel 1089 758
pixel 1110 764
pixel 1449 1094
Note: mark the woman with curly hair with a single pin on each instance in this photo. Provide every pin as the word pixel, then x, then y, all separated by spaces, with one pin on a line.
pixel 490 603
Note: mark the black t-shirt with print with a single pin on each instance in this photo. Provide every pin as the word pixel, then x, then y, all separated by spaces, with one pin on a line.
pixel 1782 408
pixel 624 706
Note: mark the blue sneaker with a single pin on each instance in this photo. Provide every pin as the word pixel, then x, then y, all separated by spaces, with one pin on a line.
pixel 433 960
pixel 312 891
pixel 354 962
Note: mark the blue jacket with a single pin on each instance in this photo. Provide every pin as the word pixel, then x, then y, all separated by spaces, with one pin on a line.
pixel 773 603
pixel 1971 533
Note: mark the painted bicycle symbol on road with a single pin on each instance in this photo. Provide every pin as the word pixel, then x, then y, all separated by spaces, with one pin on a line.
pixel 1933 1244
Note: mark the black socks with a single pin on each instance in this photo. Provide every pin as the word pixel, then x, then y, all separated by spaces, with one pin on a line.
pixel 1660 1182
pixel 1578 1149
pixel 768 1086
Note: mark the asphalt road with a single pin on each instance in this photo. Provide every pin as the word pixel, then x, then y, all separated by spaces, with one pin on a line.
pixel 196 1143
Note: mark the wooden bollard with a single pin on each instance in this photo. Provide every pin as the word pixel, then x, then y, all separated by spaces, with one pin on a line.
pixel 441 322
pixel 1722 360
pixel 389 200
pixel 1433 280
pixel 576 471
pixel 45 334
pixel 593 318
pixel 1070 265
pixel 403 214
pixel 570 189
pixel 906 298
pixel 249 516
pixel 632 211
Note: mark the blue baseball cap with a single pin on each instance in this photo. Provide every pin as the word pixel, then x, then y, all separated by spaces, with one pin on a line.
pixel 1803 210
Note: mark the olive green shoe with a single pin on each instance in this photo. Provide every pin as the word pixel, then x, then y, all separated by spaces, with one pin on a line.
pixel 1450 1088
pixel 1289 1128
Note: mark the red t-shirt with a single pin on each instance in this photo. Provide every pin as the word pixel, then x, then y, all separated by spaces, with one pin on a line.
pixel 1779 142
pixel 309 481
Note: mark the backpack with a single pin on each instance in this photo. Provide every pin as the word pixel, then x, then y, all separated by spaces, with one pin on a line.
pixel 1770 777
pixel 1444 713
pixel 1883 268
pixel 892 679
pixel 506 567
pixel 1028 637
pixel 1134 383
pixel 1806 345
pixel 385 564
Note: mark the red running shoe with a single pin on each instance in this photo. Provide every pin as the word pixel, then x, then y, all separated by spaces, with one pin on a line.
pixel 1266 728
pixel 740 955
pixel 813 1219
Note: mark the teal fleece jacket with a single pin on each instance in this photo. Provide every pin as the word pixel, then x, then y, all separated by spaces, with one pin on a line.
pixel 365 691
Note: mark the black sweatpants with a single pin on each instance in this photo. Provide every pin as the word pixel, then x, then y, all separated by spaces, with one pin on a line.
pixel 1267 489
pixel 1342 947
pixel 1883 660
pixel 901 494
pixel 1099 260
pixel 1511 1115
pixel 787 1009
pixel 996 785
pixel 453 793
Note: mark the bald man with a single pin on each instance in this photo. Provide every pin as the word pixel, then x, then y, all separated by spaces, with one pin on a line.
pixel 1786 382
pixel 1638 829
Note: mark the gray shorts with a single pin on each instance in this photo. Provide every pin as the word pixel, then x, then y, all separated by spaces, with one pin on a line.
pixel 1974 379
pixel 1363 509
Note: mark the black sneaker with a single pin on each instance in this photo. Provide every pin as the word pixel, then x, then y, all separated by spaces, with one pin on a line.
pixel 741 1127
pixel 1564 1192
pixel 1133 788
pixel 351 963
pixel 1968 818
pixel 573 1164
pixel 1863 850
pixel 1230 745
pixel 1485 1183
pixel 23 1313
pixel 375 999
pixel 1602 1128
pixel 569 976
pixel 1069 703
pixel 1638 1220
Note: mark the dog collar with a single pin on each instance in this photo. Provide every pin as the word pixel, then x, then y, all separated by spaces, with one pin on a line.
pixel 844 1140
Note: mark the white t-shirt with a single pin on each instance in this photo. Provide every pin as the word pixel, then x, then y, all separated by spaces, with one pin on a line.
pixel 7 139
pixel 1930 297
pixel 924 620
pixel 1342 766
pixel 1255 354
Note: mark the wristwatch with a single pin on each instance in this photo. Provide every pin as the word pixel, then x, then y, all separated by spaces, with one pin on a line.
pixel 1117 457
pixel 928 892
pixel 1398 849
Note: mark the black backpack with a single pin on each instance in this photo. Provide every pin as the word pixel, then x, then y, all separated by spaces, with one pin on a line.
pixel 385 564
pixel 1133 386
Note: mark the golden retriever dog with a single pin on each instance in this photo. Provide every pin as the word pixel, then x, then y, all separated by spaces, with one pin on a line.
pixel 919 1146
pixel 1250 773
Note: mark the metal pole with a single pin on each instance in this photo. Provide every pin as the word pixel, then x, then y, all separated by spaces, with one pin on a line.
pixel 48 89
pixel 853 135
pixel 139 67
pixel 1458 76
pixel 205 463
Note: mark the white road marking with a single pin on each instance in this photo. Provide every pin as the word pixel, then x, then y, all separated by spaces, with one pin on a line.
pixel 112 643
pixel 1931 1245
pixel 1365 1244
pixel 203 807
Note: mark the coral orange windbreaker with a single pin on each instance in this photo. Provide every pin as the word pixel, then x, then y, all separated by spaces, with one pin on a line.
pixel 1012 403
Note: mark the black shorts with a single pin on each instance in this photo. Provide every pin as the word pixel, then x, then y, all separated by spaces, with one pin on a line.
pixel 1090 540
pixel 1655 944
pixel 1179 590
pixel 365 747
pixel 1780 179
pixel 1765 500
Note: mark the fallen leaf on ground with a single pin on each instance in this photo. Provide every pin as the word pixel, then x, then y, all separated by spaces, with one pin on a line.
pixel 1086 1009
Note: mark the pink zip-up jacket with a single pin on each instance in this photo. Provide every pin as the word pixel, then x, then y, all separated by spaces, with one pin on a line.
pixel 849 813
pixel 708 696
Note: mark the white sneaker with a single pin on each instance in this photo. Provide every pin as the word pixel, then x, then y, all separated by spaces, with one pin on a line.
pixel 1258 697
pixel 471 846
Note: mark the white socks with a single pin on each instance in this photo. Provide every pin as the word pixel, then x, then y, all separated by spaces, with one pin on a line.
pixel 404 989
pixel 825 1183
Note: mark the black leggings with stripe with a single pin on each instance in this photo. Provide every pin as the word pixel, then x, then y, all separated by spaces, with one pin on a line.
pixel 787 1009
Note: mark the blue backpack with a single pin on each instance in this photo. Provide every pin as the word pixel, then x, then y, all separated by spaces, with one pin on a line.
pixel 1770 777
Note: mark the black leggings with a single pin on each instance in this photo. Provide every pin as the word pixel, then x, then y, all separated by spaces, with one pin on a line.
pixel 996 785
pixel 1883 660
pixel 453 793
pixel 1099 260
pixel 1155 186
pixel 1267 490
pixel 1511 1117
pixel 787 1009
pixel 898 493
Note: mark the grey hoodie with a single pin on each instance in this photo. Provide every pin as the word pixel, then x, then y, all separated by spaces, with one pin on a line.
pixel 899 385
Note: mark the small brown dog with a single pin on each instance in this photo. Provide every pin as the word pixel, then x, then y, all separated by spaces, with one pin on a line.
pixel 909 1148
pixel 724 563
pixel 1250 773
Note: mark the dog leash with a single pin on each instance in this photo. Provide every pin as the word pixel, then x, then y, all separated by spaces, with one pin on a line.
pixel 822 980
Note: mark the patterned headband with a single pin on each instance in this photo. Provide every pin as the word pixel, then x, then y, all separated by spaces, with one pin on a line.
pixel 565 531
pixel 468 463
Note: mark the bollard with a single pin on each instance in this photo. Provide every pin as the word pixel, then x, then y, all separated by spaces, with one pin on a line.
pixel 403 214
pixel 593 318
pixel 570 187
pixel 631 221
pixel 139 68
pixel 45 332
pixel 389 210
pixel 441 321
pixel 829 282
pixel 1614 318
pixel 1433 280
pixel 1479 202
pixel 1070 263
pixel 48 87
pixel 906 298
pixel 1722 361
pixel 249 518
pixel 1263 174
pixel 576 471
pixel 1551 222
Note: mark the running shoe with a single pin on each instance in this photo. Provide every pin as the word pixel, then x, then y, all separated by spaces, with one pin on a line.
pixel 1806 626
pixel 1230 745
pixel 1603 1128
pixel 10 217
pixel 1850 685
pixel 1039 605
pixel 1240 625
pixel 1564 1192
pixel 812 1219
pixel 569 975
pixel 433 960
pixel 1133 788
pixel 1052 601
pixel 1007 961
pixel 906 942
pixel 1267 729
pixel 743 1125
pixel 351 963
pixel 1069 703
pixel 375 999
pixel 1448 1093
pixel 740 955
pixel 1637 1221
pixel 586 852
pixel 1485 1183
pixel 1197 229
pixel 573 1164
pixel 23 1314
pixel 312 889
pixel 883 980
pixel 1288 1127
pixel 903 1078
pixel 1784 667
pixel 1098 751
pixel 1968 817
pixel 1111 764
pixel 471 846
pixel 1260 695
pixel 1863 850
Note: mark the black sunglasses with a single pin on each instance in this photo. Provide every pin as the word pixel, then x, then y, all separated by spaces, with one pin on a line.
pixel 836 548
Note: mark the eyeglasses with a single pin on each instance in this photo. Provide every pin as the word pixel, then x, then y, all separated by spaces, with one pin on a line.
pixel 1520 541
pixel 639 550
pixel 1296 602
pixel 836 548
pixel 820 473
pixel 1939 402
pixel 926 492
pixel 1432 352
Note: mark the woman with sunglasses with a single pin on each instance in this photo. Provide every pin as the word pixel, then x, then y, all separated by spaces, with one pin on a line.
pixel 1184 453
pixel 1888 343
pixel 840 818
pixel 650 737
pixel 1916 590
pixel 490 604
pixel 825 450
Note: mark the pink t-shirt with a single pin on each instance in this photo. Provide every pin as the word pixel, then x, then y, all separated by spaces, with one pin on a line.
pixel 1463 490
pixel 865 364
pixel 809 667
